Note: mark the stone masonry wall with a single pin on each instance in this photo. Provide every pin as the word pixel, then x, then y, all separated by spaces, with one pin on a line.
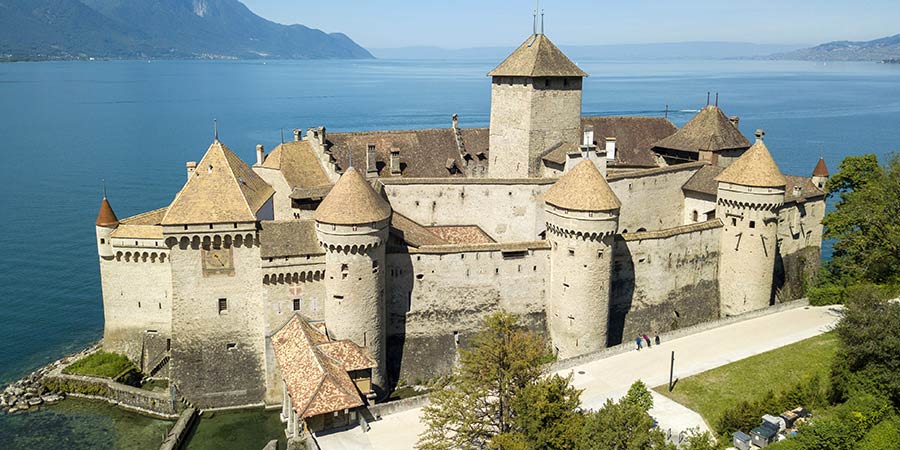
pixel 435 302
pixel 652 202
pixel 799 248
pixel 664 281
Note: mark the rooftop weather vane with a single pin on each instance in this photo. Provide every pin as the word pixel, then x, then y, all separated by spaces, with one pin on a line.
pixel 216 129
pixel 103 180
pixel 537 6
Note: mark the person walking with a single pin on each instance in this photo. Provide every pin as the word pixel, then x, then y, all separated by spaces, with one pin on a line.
pixel 657 339
pixel 647 338
pixel 637 341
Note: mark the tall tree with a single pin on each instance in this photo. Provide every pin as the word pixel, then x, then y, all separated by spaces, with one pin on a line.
pixel 501 361
pixel 865 221
pixel 624 425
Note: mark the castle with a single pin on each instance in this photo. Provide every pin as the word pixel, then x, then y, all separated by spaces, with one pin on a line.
pixel 342 263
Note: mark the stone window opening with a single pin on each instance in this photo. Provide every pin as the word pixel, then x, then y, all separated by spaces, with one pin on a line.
pixel 296 304
pixel 456 338
pixel 139 305
pixel 734 221
pixel 160 306
pixel 571 252
pixel 365 338
pixel 345 269
pixel 572 323
pixel 223 305
pixel 497 271
pixel 231 346
pixel 695 216
pixel 339 298
pixel 752 224
pixel 374 266
pixel 102 241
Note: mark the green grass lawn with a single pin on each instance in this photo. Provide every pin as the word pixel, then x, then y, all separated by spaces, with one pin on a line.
pixel 100 364
pixel 711 392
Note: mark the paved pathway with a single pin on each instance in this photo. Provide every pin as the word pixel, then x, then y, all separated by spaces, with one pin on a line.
pixel 611 377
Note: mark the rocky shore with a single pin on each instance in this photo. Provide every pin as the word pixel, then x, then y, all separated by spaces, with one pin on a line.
pixel 29 393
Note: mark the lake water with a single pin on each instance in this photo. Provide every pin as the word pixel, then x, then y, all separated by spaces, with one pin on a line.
pixel 65 126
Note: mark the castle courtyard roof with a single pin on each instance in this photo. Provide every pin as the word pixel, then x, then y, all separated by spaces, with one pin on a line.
pixel 283 238
pixel 300 167
pixel 352 201
pixel 106 217
pixel 754 168
pixel 709 130
pixel 821 169
pixel 142 226
pixel 635 136
pixel 537 57
pixel 222 189
pixel 583 189
pixel 314 368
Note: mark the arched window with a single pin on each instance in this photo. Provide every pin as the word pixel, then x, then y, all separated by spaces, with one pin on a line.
pixel 695 216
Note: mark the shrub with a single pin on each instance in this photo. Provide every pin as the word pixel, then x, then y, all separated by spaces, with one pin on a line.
pixel 101 364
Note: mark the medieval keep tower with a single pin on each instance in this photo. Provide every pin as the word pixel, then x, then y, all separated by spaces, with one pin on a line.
pixel 352 226
pixel 750 194
pixel 535 104
pixel 582 219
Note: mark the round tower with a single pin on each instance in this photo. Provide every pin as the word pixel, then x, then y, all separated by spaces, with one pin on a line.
pixel 820 174
pixel 582 219
pixel 106 223
pixel 750 194
pixel 352 226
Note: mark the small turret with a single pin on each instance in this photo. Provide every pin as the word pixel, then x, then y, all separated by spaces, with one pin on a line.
pixel 106 223
pixel 750 194
pixel 820 174
pixel 582 218
pixel 352 225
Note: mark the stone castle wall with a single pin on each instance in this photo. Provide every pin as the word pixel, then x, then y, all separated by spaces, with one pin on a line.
pixel 664 281
pixel 436 300
pixel 218 357
pixel 799 248
pixel 652 199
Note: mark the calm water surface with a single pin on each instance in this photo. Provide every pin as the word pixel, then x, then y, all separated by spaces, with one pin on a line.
pixel 65 126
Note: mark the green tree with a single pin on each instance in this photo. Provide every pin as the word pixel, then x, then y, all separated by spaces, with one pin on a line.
pixel 503 360
pixel 865 222
pixel 868 358
pixel 624 425
pixel 638 395
pixel 545 416
pixel 696 440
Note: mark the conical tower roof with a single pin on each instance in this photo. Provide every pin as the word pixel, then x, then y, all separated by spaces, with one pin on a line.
pixel 106 217
pixel 821 169
pixel 754 168
pixel 352 201
pixel 709 130
pixel 537 57
pixel 583 189
pixel 222 189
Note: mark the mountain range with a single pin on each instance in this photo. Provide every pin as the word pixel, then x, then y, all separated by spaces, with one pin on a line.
pixel 883 49
pixel 171 29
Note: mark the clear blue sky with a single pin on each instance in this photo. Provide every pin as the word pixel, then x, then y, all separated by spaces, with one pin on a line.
pixel 472 23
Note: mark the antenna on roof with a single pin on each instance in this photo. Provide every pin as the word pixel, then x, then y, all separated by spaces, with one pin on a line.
pixel 707 98
pixel 282 135
pixel 542 21
pixel 535 22
pixel 717 99
pixel 216 129
pixel 667 111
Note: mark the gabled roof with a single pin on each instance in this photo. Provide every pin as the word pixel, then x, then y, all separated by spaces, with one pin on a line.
pixel 754 168
pixel 299 165
pixel 314 368
pixel 283 238
pixel 106 217
pixel 537 57
pixel 222 189
pixel 821 169
pixel 142 226
pixel 352 201
pixel 709 130
pixel 583 189
pixel 635 136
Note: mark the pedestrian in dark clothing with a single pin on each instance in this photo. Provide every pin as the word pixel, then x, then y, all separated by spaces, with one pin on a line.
pixel 647 338
pixel 637 341
pixel 657 339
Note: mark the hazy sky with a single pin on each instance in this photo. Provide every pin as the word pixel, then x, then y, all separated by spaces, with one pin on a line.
pixel 472 23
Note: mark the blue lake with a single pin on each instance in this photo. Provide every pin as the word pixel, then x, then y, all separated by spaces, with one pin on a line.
pixel 66 126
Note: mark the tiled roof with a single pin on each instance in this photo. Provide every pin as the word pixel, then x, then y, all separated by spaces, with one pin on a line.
pixel 807 190
pixel 222 189
pixel 315 379
pixel 462 234
pixel 412 232
pixel 142 226
pixel 288 238
pixel 634 135
pixel 754 168
pixel 352 201
pixel 583 189
pixel 821 169
pixel 557 154
pixel 423 153
pixel 299 165
pixel 350 355
pixel 708 130
pixel 537 57
pixel 106 217
pixel 704 181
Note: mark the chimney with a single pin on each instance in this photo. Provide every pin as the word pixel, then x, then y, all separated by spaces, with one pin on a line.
pixel 298 134
pixel 455 121
pixel 760 134
pixel 798 190
pixel 735 120
pixel 191 166
pixel 611 148
pixel 395 162
pixel 322 135
pixel 371 164
pixel 260 154
pixel 588 136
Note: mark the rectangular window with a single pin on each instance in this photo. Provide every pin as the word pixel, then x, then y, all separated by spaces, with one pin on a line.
pixel 374 266
pixel 571 252
pixel 296 304
pixel 102 241
pixel 733 222
pixel 345 269
pixel 752 224
pixel 223 305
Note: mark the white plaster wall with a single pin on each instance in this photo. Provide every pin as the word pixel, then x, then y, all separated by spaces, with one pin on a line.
pixel 701 203
pixel 281 201
pixel 653 202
